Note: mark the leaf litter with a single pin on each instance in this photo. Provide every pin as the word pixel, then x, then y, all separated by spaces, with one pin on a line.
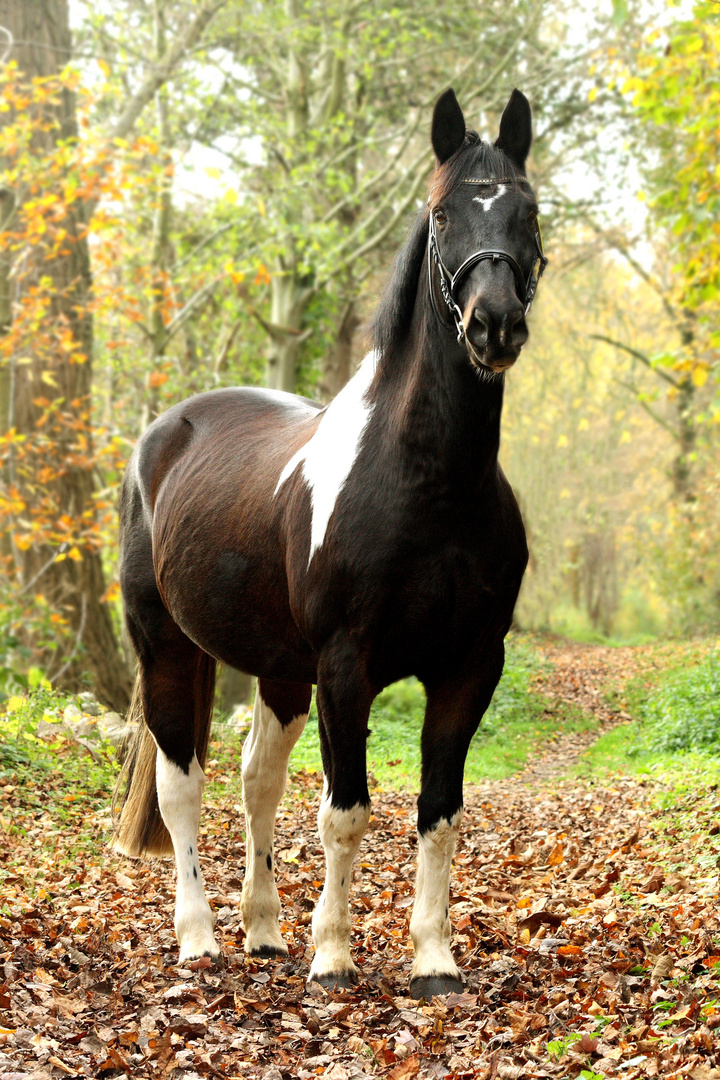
pixel 584 952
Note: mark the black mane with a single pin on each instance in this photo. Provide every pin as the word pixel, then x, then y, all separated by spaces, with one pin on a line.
pixel 395 311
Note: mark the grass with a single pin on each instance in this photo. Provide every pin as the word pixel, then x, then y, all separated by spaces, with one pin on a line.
pixel 675 725
pixel 518 723
pixel 673 743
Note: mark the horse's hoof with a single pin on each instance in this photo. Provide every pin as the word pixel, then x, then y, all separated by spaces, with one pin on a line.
pixel 336 980
pixel 266 952
pixel 430 986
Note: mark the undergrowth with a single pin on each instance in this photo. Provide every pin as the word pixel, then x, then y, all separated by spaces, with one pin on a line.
pixel 675 723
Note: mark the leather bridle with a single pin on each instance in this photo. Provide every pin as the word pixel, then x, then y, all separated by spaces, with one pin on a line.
pixel 450 283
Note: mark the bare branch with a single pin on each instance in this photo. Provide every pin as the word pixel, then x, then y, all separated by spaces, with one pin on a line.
pixel 377 178
pixel 9 47
pixel 417 171
pixel 186 311
pixel 162 70
pixel 614 241
pixel 638 356
pixel 468 72
pixel 651 412
pixel 381 234
pixel 221 359
pixel 279 333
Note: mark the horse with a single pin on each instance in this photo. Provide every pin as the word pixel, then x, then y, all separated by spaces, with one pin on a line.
pixel 348 547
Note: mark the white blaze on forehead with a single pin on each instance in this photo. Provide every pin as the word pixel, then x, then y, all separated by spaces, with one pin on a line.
pixel 329 456
pixel 487 203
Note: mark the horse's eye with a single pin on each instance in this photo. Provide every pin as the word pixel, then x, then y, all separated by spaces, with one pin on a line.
pixel 533 216
pixel 440 217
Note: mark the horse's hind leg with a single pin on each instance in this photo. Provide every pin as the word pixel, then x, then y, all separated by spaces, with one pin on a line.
pixel 452 717
pixel 279 716
pixel 164 769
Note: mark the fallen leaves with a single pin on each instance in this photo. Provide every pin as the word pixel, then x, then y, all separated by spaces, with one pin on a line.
pixel 571 961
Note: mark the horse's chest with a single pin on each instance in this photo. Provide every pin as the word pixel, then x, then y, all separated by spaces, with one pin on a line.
pixel 411 582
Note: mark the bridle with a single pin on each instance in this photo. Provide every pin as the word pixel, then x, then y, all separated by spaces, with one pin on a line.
pixel 450 283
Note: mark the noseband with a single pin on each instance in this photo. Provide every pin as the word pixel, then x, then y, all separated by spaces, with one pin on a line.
pixel 450 283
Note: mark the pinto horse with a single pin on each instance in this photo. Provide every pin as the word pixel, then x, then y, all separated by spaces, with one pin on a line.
pixel 348 546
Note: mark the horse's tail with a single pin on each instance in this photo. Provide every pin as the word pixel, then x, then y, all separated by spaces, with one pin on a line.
pixel 139 827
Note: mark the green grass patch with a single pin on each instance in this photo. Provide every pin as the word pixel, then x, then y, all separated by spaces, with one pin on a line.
pixel 51 790
pixel 519 723
pixel 675 726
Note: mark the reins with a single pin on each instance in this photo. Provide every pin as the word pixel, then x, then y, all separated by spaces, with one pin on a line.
pixel 449 283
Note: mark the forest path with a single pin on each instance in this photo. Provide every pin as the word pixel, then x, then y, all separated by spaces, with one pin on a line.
pixel 583 676
pixel 584 917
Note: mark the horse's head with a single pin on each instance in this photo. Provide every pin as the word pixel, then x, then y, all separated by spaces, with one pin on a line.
pixel 484 250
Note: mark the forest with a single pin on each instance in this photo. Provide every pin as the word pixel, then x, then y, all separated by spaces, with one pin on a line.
pixel 184 208
pixel 198 194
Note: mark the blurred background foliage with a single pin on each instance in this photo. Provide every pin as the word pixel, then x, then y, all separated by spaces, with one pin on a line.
pixel 199 193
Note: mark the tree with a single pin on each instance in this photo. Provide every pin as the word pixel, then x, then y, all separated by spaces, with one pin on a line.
pixel 48 346
pixel 672 86
pixel 322 113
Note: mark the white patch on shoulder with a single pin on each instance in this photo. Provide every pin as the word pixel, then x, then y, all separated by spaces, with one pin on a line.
pixel 487 203
pixel 329 455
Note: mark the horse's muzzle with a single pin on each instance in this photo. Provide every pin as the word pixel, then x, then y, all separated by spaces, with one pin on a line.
pixel 495 334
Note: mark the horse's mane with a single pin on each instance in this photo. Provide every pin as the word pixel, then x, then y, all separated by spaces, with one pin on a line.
pixel 395 311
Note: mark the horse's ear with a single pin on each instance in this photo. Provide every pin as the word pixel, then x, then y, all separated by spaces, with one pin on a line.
pixel 515 136
pixel 448 126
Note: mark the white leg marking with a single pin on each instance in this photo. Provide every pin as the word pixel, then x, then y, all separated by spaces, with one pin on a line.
pixel 341 832
pixel 264 771
pixel 430 923
pixel 329 455
pixel 487 203
pixel 180 797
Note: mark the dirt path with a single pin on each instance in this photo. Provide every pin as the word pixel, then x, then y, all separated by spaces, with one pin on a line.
pixel 581 676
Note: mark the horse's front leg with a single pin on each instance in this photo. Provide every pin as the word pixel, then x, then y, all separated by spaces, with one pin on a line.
pixel 343 700
pixel 453 713
pixel 279 717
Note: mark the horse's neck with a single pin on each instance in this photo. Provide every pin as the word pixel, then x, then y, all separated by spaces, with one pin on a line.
pixel 440 407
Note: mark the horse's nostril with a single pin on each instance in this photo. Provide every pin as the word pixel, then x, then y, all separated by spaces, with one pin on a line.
pixel 482 327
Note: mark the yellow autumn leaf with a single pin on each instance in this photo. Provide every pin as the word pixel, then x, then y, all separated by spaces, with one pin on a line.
pixel 562 441
pixel 699 376
pixel 75 554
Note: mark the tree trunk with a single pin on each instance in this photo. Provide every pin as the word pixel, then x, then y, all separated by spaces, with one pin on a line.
pixel 74 586
pixel 338 361
pixel 289 300
pixel 160 253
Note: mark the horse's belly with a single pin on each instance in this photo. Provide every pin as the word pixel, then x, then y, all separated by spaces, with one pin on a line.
pixel 237 610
